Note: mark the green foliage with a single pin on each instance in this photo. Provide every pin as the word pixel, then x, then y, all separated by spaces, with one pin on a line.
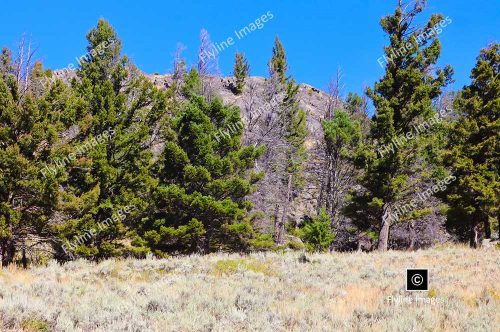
pixel 28 192
pixel 72 156
pixel 473 151
pixel 278 65
pixel 262 242
pixel 200 202
pixel 402 98
pixel 192 84
pixel 288 133
pixel 317 233
pixel 241 71
pixel 232 266
pixel 343 143
pixel 34 325
pixel 295 123
pixel 295 245
pixel 188 197
pixel 342 134
pixel 117 111
pixel 293 119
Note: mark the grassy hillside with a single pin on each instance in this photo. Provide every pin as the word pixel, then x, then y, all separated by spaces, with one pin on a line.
pixel 260 292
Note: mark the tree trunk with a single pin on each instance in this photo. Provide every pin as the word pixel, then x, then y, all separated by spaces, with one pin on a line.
pixel 411 232
pixel 203 242
pixel 4 252
pixel 487 226
pixel 24 259
pixel 322 191
pixel 8 253
pixel 280 227
pixel 474 234
pixel 383 239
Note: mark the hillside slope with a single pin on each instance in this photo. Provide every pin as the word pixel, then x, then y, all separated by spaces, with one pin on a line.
pixel 312 100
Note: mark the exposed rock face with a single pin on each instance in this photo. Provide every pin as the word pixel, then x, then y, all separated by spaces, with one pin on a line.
pixel 312 101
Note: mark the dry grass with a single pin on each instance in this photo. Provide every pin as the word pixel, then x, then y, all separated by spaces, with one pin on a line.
pixel 260 292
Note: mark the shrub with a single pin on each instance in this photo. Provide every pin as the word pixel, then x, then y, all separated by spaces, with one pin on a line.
pixel 34 325
pixel 231 266
pixel 295 245
pixel 262 242
pixel 317 233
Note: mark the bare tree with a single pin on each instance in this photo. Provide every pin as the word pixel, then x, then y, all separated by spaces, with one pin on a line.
pixel 23 64
pixel 208 64
pixel 264 127
pixel 335 88
pixel 251 108
pixel 179 69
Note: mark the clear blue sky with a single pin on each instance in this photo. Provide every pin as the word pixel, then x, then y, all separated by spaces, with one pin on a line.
pixel 318 36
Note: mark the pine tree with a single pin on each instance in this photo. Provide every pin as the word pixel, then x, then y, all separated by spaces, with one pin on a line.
pixel 28 194
pixel 342 139
pixel 289 136
pixel 241 71
pixel 109 178
pixel 295 131
pixel 200 203
pixel 403 99
pixel 278 64
pixel 474 151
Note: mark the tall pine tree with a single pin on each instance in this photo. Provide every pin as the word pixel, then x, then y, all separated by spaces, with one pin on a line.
pixel 474 150
pixel 109 178
pixel 291 134
pixel 403 97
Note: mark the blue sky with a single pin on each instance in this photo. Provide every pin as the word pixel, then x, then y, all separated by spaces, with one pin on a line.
pixel 318 36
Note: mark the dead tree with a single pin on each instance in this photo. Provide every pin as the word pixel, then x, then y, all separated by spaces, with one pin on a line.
pixel 179 69
pixel 336 172
pixel 23 65
pixel 208 64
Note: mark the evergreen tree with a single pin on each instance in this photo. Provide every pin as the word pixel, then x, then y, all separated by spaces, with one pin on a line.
pixel 318 233
pixel 474 150
pixel 28 194
pixel 403 97
pixel 6 65
pixel 241 71
pixel 278 65
pixel 286 151
pixel 344 127
pixel 109 177
pixel 342 139
pixel 200 203
pixel 192 84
